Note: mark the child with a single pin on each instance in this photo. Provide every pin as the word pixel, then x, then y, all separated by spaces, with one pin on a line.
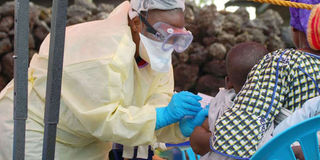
pixel 240 59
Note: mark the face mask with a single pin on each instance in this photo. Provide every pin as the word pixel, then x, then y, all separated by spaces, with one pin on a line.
pixel 159 60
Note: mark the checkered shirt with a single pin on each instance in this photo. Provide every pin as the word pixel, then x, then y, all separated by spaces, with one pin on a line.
pixel 283 78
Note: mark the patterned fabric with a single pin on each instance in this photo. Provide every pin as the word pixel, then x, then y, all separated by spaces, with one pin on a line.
pixel 284 78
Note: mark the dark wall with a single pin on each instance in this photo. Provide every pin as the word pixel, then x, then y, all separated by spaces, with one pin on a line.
pixel 48 3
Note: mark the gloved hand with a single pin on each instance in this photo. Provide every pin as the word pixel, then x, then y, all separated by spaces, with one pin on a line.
pixel 188 124
pixel 182 104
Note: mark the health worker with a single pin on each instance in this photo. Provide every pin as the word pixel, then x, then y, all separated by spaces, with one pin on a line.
pixel 117 85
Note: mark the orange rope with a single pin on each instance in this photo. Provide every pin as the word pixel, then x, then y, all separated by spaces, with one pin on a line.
pixel 286 3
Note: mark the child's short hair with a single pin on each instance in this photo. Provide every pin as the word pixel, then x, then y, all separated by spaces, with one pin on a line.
pixel 240 60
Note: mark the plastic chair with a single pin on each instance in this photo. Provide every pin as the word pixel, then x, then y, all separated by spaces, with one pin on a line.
pixel 190 153
pixel 279 147
pixel 185 149
pixel 172 154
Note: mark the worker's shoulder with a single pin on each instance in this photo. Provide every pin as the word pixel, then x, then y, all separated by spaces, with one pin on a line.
pixel 96 40
pixel 97 29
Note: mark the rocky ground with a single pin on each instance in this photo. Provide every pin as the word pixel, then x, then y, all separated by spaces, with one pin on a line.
pixel 199 69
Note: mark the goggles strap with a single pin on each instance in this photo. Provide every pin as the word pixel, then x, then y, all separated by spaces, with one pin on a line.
pixel 150 29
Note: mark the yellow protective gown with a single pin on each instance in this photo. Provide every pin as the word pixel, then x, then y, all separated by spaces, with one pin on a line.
pixel 105 97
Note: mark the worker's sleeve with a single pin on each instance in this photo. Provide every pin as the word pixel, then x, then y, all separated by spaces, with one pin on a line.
pixel 161 98
pixel 99 95
pixel 239 131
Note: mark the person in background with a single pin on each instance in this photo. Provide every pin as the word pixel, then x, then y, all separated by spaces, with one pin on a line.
pixel 285 78
pixel 117 85
pixel 239 61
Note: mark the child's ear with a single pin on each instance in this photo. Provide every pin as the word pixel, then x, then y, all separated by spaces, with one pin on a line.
pixel 228 84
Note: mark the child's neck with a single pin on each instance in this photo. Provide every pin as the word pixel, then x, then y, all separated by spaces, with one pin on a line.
pixel 309 50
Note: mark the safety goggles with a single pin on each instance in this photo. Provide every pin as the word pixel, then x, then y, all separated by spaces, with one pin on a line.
pixel 172 37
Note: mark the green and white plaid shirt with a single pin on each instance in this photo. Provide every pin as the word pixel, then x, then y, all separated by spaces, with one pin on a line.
pixel 283 78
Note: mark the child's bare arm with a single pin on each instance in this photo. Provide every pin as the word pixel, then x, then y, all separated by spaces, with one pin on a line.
pixel 199 139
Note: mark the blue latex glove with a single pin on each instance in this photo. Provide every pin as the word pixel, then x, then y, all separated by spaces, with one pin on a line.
pixel 188 124
pixel 182 104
